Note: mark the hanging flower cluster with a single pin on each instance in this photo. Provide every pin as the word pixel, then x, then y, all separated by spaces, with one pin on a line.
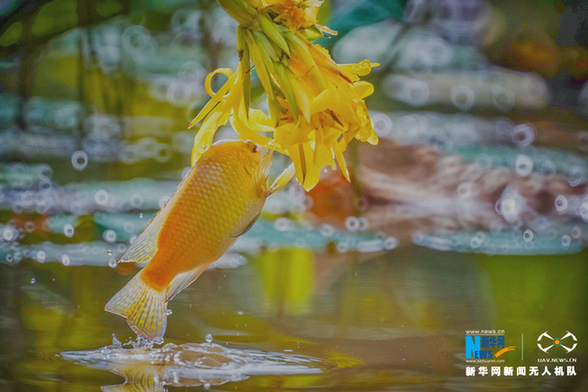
pixel 316 106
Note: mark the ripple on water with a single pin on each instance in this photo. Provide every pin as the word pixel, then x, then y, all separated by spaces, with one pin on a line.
pixel 191 364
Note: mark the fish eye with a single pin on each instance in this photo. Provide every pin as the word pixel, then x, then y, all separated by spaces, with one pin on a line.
pixel 251 146
pixel 254 148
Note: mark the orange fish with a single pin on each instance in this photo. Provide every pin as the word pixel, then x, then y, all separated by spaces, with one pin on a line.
pixel 220 199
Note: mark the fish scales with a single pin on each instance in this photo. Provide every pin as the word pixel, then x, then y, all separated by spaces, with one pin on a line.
pixel 197 229
pixel 219 199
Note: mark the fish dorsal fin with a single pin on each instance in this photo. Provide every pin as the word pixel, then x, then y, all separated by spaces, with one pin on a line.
pixel 181 281
pixel 247 227
pixel 145 245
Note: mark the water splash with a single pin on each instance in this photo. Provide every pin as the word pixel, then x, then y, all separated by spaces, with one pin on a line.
pixel 190 364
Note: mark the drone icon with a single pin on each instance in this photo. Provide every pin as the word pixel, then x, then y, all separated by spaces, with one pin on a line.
pixel 556 342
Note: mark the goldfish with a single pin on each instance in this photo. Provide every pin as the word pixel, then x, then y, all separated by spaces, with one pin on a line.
pixel 220 198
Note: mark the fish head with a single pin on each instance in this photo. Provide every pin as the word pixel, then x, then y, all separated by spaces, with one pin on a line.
pixel 255 159
pixel 258 163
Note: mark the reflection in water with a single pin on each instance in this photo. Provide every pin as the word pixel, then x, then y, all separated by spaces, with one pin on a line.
pixel 189 365
pixel 300 319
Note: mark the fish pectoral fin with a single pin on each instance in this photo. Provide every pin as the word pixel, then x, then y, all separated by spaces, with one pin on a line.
pixel 144 308
pixel 145 245
pixel 181 281
pixel 246 228
pixel 283 179
pixel 261 173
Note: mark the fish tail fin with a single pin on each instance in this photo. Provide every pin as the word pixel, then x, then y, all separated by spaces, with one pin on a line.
pixel 144 308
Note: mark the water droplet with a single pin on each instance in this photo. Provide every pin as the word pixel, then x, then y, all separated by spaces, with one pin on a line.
pixel 584 209
pixel 137 200
pixel 109 252
pixel 352 223
pixel 363 224
pixel 565 241
pixel 101 197
pixel 464 189
pixel 112 263
pixel 65 260
pixel 576 232
pixel 141 215
pixel 207 386
pixel 115 342
pixel 510 203
pixel 29 226
pixel 68 230
pixel 326 230
pixel 478 240
pixel 382 124
pixel 523 165
pixel 503 98
pixel 576 175
pixel 523 135
pixel 390 243
pixel 109 235
pixel 208 338
pixel 561 203
pixel 169 312
pixel 27 198
pixel 40 256
pixel 9 258
pixel 33 281
pixel 462 96
pixel 128 227
pixel 528 235
pixel 548 168
pixel 9 234
pixel 342 247
pixel 79 160
pixel 475 243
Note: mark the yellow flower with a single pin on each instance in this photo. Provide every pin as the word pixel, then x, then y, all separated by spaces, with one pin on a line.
pixel 295 14
pixel 316 106
pixel 218 110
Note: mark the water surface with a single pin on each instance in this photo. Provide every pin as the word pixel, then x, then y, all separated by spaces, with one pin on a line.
pixel 296 319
